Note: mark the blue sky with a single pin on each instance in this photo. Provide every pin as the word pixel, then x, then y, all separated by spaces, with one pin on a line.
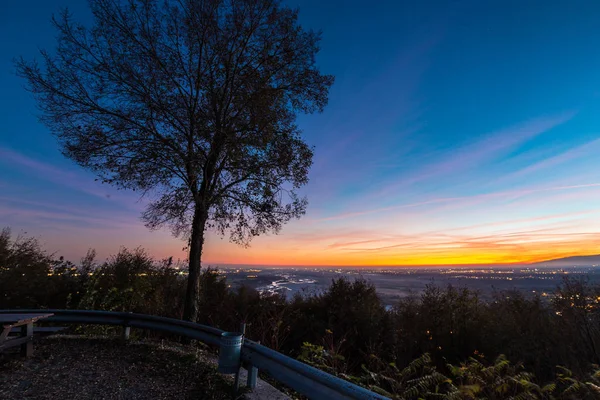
pixel 456 132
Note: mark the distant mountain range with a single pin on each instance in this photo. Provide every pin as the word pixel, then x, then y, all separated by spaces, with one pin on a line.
pixel 576 261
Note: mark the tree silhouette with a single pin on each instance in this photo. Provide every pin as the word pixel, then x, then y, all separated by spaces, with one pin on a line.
pixel 191 102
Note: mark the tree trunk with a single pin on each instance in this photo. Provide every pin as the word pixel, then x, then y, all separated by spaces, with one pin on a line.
pixel 190 309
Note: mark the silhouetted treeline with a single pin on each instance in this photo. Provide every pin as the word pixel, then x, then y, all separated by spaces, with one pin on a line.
pixel 345 329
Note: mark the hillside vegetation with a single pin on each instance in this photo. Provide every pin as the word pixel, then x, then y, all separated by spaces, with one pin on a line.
pixel 445 342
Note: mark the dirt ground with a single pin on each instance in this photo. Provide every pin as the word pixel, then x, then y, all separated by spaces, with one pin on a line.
pixel 99 368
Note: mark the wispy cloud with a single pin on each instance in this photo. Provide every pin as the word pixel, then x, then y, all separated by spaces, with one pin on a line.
pixel 492 147
pixel 20 215
pixel 456 199
pixel 587 149
pixel 524 245
pixel 389 100
pixel 65 178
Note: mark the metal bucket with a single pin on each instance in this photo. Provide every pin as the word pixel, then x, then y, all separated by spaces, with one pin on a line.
pixel 229 352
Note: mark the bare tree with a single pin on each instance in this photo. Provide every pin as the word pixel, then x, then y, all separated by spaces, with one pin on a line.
pixel 194 103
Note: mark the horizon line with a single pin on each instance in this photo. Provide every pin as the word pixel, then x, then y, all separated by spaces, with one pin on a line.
pixel 208 265
pixel 499 264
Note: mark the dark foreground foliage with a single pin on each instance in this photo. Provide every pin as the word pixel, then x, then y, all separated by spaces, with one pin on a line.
pixel 445 341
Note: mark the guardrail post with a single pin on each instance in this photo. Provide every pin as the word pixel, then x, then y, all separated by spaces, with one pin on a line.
pixel 252 375
pixel 236 381
pixel 126 330
pixel 27 348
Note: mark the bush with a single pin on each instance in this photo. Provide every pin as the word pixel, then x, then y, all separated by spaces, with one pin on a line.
pixel 133 281
pixel 32 278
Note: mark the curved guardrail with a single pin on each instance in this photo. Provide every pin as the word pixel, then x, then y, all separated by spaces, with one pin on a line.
pixel 309 381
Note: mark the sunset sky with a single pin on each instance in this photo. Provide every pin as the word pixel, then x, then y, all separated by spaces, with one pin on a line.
pixel 457 132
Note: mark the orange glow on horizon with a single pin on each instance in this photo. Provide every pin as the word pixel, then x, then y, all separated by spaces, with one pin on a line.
pixel 537 225
pixel 457 253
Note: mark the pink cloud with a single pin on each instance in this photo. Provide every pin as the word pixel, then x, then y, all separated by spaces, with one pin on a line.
pixel 514 242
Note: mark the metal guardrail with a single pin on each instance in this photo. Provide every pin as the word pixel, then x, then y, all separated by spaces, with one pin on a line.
pixel 309 381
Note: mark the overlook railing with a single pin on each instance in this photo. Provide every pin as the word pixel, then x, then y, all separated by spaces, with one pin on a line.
pixel 304 379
